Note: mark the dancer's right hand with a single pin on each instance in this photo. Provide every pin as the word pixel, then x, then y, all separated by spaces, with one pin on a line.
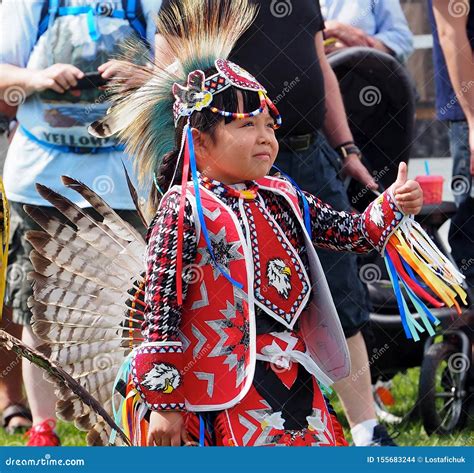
pixel 167 429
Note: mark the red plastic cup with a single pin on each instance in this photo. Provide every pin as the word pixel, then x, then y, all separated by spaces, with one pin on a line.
pixel 432 187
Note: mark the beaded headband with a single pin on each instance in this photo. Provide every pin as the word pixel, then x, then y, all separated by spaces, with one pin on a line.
pixel 199 91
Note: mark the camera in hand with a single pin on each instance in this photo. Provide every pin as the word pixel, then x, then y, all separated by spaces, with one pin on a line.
pixel 91 80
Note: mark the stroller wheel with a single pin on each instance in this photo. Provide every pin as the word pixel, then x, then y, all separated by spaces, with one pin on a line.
pixel 442 391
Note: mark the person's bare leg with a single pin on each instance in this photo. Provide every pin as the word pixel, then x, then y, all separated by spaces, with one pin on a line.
pixel 11 373
pixel 40 392
pixel 355 391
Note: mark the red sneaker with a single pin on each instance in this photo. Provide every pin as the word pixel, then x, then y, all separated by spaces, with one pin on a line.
pixel 43 435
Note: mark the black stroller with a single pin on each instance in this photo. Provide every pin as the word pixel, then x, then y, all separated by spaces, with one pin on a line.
pixel 379 99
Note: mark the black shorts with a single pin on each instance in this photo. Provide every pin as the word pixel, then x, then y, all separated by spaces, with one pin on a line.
pixel 19 265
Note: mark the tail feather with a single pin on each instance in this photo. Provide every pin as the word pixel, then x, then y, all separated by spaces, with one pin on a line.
pixel 99 436
pixel 73 246
pixel 64 293
pixel 61 378
pixel 134 195
pixel 80 351
pixel 118 226
pixel 78 285
pixel 76 264
pixel 92 231
pixel 73 317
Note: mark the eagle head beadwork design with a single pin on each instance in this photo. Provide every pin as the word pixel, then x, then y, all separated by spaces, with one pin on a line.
pixel 162 377
pixel 279 274
pixel 376 212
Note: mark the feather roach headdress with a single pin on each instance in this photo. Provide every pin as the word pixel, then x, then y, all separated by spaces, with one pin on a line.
pixel 199 37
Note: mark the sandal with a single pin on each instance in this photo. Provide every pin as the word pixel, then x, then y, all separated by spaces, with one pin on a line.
pixel 16 410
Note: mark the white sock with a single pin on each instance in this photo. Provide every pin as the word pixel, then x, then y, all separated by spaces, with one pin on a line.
pixel 363 432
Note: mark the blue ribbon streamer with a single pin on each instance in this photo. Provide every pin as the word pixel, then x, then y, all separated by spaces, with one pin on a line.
pixel 425 314
pixel 412 275
pixel 414 326
pixel 392 274
pixel 122 374
pixel 202 431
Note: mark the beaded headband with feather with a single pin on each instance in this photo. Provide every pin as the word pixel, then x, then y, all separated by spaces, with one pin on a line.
pixel 200 90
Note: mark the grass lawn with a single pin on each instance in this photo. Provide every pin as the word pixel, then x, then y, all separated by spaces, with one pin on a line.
pixel 408 433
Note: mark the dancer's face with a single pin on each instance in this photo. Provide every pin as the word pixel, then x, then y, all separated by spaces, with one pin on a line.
pixel 242 150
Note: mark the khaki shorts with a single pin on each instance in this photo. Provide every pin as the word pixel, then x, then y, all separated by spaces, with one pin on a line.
pixel 19 265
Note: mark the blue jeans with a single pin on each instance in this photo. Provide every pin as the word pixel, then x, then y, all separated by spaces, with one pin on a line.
pixel 461 231
pixel 316 170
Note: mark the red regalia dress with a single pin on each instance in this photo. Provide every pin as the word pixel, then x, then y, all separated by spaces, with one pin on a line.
pixel 252 359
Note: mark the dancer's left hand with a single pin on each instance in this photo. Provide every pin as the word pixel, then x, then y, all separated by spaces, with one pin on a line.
pixel 408 193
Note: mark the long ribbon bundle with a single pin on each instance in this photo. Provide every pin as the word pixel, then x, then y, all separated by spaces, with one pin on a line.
pixel 418 268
